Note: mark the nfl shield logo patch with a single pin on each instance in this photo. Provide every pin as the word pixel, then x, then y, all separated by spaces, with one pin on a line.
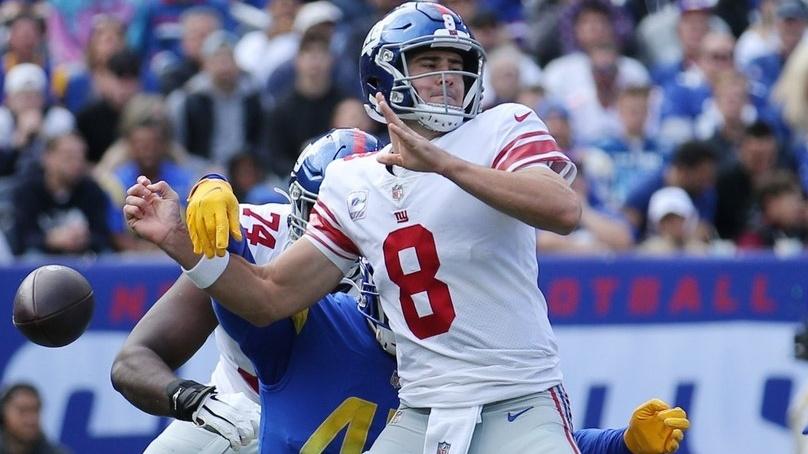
pixel 443 447
pixel 398 192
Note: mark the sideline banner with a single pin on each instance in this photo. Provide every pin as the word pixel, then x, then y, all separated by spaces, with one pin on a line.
pixel 80 406
pixel 712 335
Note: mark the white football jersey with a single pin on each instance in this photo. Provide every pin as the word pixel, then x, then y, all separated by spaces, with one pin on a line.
pixel 234 373
pixel 458 278
pixel 266 232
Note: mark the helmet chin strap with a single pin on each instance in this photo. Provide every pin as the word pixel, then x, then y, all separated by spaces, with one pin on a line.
pixel 434 121
pixel 385 338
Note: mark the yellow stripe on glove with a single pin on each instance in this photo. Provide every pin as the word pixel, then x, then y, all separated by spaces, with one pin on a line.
pixel 212 216
pixel 655 428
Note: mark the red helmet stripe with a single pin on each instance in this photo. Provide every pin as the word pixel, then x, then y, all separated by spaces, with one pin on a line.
pixel 359 142
pixel 442 9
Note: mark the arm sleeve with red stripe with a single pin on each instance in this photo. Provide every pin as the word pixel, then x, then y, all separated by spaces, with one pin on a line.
pixel 325 230
pixel 527 143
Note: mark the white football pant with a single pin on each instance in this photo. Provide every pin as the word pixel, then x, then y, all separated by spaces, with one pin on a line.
pixel 183 437
pixel 536 423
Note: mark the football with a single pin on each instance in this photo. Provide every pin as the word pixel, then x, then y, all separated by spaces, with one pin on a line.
pixel 53 305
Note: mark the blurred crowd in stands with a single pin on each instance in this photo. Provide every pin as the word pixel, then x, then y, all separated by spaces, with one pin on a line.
pixel 688 119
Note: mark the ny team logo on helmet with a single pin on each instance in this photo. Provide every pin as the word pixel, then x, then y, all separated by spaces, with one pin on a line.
pixel 383 64
pixel 309 170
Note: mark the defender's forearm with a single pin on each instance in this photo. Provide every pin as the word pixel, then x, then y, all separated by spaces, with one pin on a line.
pixel 142 377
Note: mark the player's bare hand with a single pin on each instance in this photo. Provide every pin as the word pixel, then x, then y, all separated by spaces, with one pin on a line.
pixel 409 149
pixel 212 215
pixel 655 428
pixel 152 210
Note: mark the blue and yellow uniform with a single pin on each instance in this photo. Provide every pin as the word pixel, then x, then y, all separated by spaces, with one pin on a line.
pixel 325 383
pixel 337 367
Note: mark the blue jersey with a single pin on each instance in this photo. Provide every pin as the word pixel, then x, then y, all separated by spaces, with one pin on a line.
pixel 601 441
pixel 326 385
pixel 764 71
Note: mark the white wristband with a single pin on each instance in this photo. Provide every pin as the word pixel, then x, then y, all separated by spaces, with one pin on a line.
pixel 206 271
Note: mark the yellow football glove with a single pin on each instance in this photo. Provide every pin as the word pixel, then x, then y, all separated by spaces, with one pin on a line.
pixel 212 211
pixel 655 428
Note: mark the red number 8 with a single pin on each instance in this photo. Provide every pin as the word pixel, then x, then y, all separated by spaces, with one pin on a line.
pixel 423 280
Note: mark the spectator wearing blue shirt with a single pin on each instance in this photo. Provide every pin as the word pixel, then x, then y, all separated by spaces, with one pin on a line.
pixel 148 142
pixel 692 168
pixel 791 22
pixel 691 28
pixel 77 84
pixel 685 99
pixel 634 153
pixel 633 111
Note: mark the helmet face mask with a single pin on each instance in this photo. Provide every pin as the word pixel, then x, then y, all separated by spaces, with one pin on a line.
pixel 302 203
pixel 409 29
pixel 370 305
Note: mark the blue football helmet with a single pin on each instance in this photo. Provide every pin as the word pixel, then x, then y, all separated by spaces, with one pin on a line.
pixel 383 64
pixel 370 304
pixel 309 171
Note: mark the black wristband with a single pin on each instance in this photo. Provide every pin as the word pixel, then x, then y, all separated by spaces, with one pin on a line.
pixel 184 397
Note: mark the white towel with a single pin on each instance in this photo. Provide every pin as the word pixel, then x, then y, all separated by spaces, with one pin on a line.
pixel 449 430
